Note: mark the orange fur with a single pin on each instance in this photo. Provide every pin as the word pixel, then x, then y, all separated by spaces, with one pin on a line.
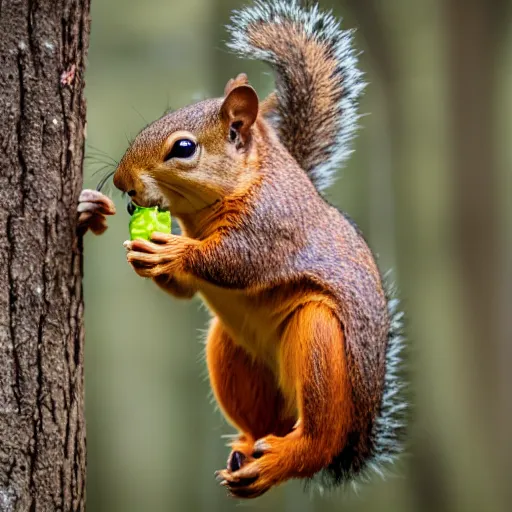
pixel 312 377
pixel 245 389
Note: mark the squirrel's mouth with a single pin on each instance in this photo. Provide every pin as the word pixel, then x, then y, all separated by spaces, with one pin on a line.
pixel 131 207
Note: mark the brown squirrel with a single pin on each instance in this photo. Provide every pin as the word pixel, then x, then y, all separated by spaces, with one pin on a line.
pixel 304 343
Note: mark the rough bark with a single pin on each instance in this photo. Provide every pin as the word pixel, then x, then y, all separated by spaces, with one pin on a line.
pixel 42 119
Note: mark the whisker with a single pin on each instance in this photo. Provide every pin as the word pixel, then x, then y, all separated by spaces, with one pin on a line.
pixel 99 159
pixel 140 115
pixel 102 153
pixel 128 139
pixel 98 150
pixel 105 178
pixel 102 169
pixel 100 156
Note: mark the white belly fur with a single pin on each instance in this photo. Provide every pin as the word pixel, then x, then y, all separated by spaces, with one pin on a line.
pixel 252 322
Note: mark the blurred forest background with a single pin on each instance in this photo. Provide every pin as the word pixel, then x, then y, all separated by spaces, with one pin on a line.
pixel 429 184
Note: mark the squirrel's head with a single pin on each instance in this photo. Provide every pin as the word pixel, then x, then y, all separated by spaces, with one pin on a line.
pixel 193 157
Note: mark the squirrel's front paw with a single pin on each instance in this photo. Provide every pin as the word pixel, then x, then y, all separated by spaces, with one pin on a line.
pixel 163 255
pixel 93 206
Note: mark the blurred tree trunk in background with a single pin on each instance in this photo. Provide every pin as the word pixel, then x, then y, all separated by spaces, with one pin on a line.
pixel 42 429
pixel 475 34
pixel 453 273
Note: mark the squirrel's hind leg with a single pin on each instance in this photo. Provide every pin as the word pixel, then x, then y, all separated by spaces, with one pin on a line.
pixel 313 368
pixel 247 393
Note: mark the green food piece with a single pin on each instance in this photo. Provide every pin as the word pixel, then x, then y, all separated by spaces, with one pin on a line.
pixel 145 221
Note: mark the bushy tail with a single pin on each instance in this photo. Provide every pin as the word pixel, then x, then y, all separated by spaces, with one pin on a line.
pixel 318 83
pixel 389 431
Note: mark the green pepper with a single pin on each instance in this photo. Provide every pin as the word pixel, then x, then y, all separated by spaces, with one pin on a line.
pixel 145 221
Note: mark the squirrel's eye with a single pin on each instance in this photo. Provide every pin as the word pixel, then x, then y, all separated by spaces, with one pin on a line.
pixel 182 148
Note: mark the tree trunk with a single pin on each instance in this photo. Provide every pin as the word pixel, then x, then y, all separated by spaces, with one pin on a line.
pixel 476 31
pixel 42 121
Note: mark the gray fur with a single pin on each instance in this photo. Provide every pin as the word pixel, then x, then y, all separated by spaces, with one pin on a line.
pixel 389 430
pixel 324 157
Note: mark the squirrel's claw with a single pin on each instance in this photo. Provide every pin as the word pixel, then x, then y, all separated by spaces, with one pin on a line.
pixel 92 208
pixel 236 460
pixel 151 259
pixel 247 482
pixel 96 202
pixel 245 476
pixel 251 476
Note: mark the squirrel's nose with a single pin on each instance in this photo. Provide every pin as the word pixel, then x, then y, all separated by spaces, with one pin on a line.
pixel 118 180
pixel 123 181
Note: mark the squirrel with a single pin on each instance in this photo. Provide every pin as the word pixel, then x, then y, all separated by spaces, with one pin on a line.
pixel 304 343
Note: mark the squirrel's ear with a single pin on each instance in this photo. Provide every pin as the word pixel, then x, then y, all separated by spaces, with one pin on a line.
pixel 240 109
pixel 233 83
